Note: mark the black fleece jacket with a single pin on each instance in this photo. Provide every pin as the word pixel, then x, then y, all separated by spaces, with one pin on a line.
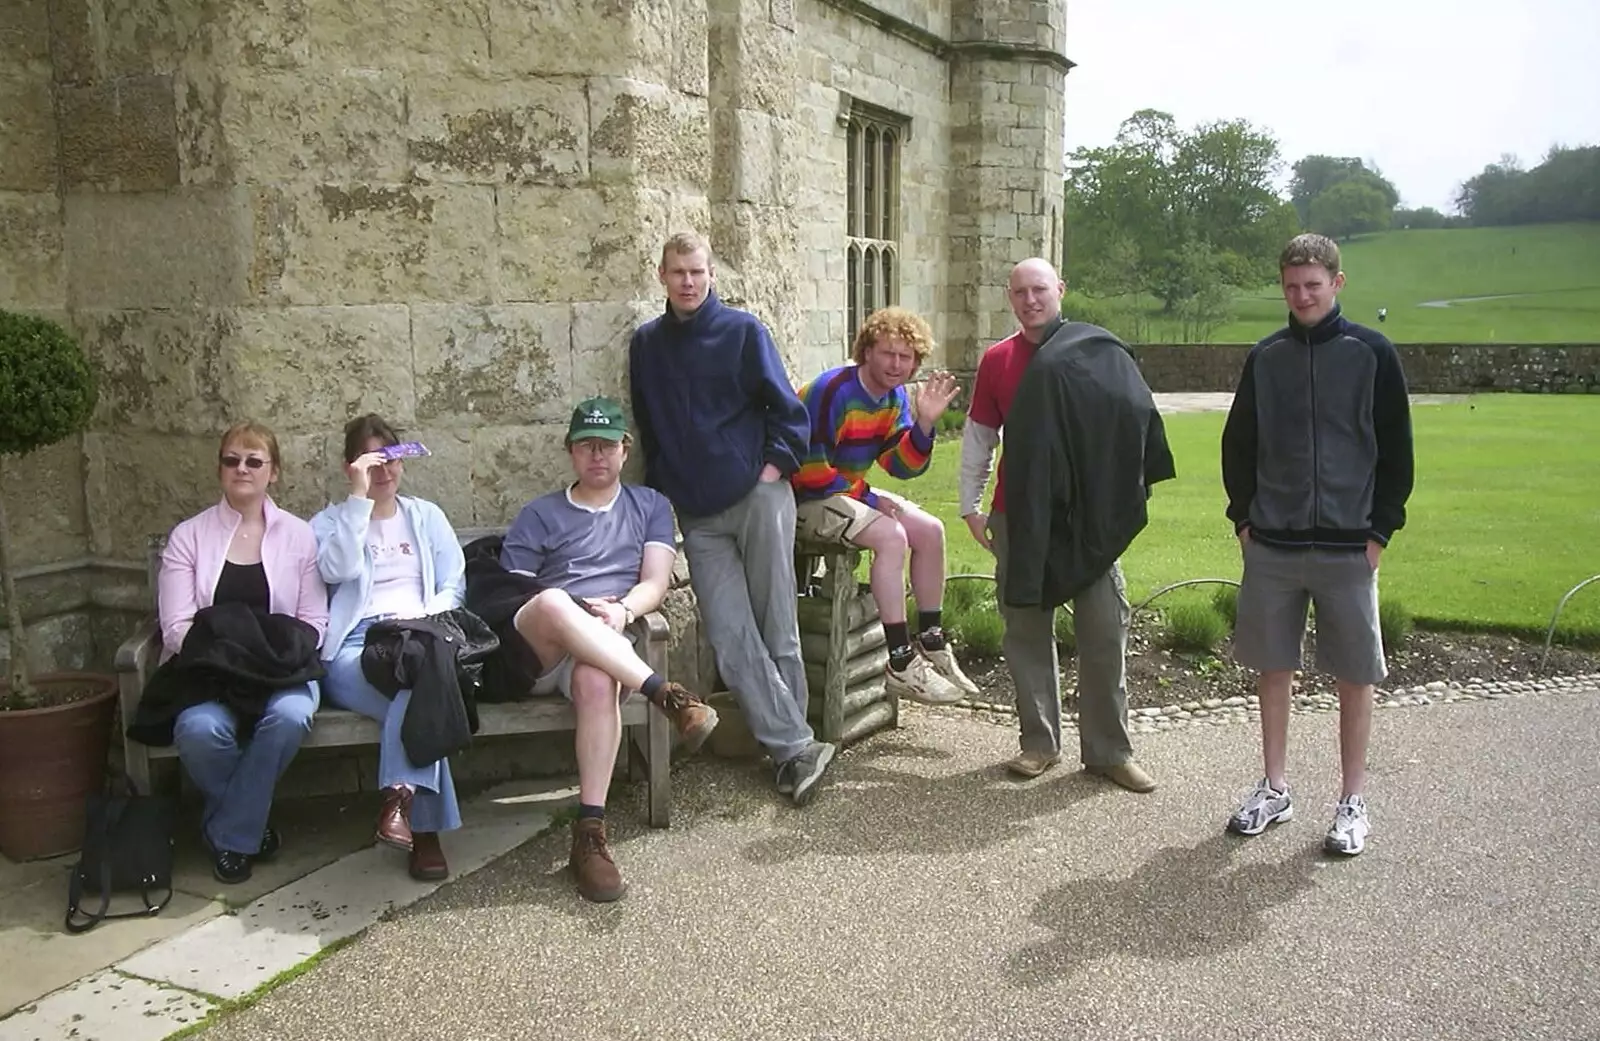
pixel 1317 448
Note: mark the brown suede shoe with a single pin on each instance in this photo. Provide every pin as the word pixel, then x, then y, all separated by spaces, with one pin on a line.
pixel 692 718
pixel 591 863
pixel 394 820
pixel 427 857
pixel 1129 775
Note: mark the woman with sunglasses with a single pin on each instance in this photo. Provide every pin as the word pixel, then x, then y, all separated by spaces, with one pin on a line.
pixel 244 549
pixel 387 555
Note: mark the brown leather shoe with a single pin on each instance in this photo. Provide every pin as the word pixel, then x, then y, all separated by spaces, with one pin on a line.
pixel 692 718
pixel 1129 775
pixel 591 863
pixel 394 820
pixel 427 857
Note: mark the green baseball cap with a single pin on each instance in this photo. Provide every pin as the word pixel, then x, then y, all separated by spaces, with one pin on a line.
pixel 597 417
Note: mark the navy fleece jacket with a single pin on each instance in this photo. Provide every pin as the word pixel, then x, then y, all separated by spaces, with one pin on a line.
pixel 713 405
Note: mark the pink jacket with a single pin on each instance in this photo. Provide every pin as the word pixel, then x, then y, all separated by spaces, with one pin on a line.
pixel 197 549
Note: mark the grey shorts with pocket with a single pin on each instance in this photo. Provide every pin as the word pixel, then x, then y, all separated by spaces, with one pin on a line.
pixel 557 679
pixel 1278 585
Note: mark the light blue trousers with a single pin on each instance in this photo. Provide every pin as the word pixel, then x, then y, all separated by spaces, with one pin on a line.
pixel 238 779
pixel 433 806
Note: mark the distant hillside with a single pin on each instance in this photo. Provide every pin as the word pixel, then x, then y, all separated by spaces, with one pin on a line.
pixel 1545 281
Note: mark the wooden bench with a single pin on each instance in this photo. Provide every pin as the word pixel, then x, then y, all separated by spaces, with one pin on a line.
pixel 843 645
pixel 648 735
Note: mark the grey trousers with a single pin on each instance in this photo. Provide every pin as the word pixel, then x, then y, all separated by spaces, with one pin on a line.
pixel 741 567
pixel 1100 617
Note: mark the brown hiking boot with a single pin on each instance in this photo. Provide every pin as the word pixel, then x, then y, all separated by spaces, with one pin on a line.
pixel 591 863
pixel 692 718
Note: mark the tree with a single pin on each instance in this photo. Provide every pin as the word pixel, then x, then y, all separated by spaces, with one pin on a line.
pixel 1350 208
pixel 1171 212
pixel 1421 218
pixel 1564 187
pixel 47 393
pixel 1315 174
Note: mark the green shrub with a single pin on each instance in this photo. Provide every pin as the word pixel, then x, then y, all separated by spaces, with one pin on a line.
pixel 1193 627
pixel 1225 601
pixel 976 631
pixel 950 423
pixel 1395 623
pixel 1066 635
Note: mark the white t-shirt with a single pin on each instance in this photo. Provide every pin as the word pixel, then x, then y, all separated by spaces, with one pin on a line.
pixel 396 569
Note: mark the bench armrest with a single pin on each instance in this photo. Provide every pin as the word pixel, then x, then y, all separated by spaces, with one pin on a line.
pixel 654 633
pixel 136 660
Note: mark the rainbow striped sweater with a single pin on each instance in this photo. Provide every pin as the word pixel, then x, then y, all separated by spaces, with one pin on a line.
pixel 850 430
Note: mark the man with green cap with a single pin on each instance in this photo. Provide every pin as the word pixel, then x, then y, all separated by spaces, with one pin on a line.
pixel 601 552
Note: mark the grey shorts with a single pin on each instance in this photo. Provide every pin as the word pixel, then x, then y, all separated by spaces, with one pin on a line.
pixel 557 679
pixel 1277 586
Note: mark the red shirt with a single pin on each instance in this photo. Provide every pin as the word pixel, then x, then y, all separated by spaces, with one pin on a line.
pixel 999 374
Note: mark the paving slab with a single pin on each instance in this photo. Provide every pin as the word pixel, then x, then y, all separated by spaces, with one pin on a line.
pixel 234 954
pixel 107 1007
pixel 926 896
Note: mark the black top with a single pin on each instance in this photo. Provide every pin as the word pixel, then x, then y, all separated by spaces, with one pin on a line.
pixel 243 584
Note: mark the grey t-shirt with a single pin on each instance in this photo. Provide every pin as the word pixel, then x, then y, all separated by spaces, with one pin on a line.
pixel 585 550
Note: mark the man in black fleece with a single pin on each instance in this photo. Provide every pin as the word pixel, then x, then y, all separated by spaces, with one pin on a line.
pixel 1317 463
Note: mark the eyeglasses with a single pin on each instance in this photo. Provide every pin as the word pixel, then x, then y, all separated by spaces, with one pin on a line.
pixel 599 446
pixel 231 462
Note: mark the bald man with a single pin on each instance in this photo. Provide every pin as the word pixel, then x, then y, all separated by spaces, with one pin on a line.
pixel 1100 612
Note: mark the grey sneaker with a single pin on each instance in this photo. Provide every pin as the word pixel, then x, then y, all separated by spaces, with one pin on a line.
pixel 1266 805
pixel 798 777
pixel 1348 835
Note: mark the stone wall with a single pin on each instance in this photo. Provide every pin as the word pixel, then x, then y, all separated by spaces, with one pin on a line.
pixel 450 214
pixel 1431 368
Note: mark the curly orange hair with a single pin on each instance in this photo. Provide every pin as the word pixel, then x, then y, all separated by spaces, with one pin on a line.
pixel 890 322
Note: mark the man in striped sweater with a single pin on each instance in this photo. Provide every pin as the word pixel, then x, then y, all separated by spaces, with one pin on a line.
pixel 861 414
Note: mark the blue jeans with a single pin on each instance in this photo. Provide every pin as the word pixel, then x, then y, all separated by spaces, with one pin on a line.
pixel 433 806
pixel 236 779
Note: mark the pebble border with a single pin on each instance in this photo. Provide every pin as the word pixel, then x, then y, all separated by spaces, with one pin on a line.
pixel 1246 708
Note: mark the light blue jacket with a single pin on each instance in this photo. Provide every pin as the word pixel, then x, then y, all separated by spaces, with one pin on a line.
pixel 346 563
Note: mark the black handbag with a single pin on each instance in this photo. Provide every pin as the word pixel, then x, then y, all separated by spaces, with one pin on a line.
pixel 127 848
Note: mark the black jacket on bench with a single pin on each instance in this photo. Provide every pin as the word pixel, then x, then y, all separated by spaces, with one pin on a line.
pixel 422 655
pixel 234 654
pixel 1083 444
pixel 496 595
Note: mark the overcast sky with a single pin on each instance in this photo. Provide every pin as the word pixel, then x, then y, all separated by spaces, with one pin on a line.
pixel 1430 90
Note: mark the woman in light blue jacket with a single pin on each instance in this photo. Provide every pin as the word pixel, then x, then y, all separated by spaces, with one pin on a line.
pixel 385 555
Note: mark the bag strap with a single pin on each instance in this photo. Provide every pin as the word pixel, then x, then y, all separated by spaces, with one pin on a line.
pixel 114 813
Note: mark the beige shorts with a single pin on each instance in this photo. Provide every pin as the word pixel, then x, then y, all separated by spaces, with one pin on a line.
pixel 557 679
pixel 840 518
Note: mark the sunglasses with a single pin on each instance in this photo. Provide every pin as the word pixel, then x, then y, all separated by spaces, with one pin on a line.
pixel 231 462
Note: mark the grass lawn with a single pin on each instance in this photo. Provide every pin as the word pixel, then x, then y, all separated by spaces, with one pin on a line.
pixel 1553 270
pixel 1504 520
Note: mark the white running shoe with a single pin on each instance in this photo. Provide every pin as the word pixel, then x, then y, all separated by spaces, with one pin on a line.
pixel 1348 834
pixel 919 682
pixel 1266 805
pixel 943 661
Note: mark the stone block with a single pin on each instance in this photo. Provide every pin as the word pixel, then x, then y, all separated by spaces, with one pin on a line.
pixel 313 468
pixel 506 363
pixel 528 131
pixel 569 244
pixel 763 161
pixel 600 335
pixel 325 125
pixel 25 38
pixel 152 250
pixel 159 370
pixel 415 37
pixel 270 33
pixel 138 484
pixel 586 37
pixel 367 243
pixel 648 132
pixel 32 254
pixel 119 135
pixel 27 131
pixel 44 503
pixel 49 593
pixel 61 643
pixel 312 368
pixel 512 465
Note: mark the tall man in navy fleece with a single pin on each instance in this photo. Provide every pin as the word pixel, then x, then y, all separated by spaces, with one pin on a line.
pixel 722 430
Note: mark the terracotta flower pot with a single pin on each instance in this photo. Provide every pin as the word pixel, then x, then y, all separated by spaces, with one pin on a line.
pixel 50 760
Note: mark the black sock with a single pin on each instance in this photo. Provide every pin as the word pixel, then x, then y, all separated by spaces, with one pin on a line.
pixel 930 626
pixel 899 636
pixel 587 812
pixel 652 686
